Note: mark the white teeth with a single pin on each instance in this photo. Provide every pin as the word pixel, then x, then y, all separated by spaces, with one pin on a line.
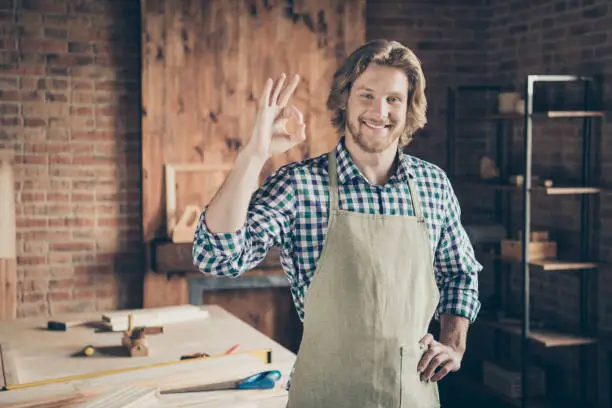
pixel 373 125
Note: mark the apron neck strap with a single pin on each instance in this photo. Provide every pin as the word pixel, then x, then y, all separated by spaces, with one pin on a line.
pixel 333 188
pixel 333 180
pixel 416 202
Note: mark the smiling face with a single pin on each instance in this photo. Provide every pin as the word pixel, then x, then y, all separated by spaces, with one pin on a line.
pixel 365 89
pixel 376 108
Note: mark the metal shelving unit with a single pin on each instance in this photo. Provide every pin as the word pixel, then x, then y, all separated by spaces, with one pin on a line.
pixel 586 190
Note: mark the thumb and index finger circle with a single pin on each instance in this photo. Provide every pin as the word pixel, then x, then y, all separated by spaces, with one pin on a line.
pixel 291 111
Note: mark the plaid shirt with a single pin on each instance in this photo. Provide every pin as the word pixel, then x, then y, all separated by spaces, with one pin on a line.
pixel 290 211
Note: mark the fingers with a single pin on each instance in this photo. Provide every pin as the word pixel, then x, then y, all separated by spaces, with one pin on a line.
pixel 437 361
pixel 264 100
pixel 277 89
pixel 280 96
pixel 427 357
pixel 301 133
pixel 445 369
pixel 287 93
pixel 290 111
pixel 427 339
pixel 283 117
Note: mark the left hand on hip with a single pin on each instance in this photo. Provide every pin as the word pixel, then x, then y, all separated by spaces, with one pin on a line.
pixel 438 360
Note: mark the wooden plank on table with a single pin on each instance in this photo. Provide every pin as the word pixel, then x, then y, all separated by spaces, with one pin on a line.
pixel 124 397
pixel 178 257
pixel 186 373
pixel 118 320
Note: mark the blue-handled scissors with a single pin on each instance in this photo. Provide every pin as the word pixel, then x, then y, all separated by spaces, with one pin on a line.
pixel 259 381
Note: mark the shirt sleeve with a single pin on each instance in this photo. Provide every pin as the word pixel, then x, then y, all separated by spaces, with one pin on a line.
pixel 456 265
pixel 270 214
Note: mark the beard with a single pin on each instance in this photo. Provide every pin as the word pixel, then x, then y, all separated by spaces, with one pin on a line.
pixel 367 139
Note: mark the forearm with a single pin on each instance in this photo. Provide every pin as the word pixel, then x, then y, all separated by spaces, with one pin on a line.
pixel 227 210
pixel 453 331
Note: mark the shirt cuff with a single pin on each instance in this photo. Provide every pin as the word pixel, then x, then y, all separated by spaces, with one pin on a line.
pixel 223 244
pixel 459 302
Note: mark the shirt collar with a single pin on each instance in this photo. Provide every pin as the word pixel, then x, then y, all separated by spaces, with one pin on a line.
pixel 347 170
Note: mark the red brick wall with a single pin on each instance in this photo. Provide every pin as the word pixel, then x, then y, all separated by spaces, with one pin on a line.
pixel 69 106
pixel 449 37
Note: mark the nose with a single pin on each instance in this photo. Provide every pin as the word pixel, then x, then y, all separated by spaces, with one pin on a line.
pixel 380 108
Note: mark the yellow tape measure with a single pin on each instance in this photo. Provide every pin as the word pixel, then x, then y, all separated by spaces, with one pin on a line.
pixel 264 354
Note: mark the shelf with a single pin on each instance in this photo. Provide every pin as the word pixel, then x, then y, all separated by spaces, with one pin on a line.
pixel 572 114
pixel 565 190
pixel 559 265
pixel 544 337
pixel 519 116
pixel 569 190
pixel 551 264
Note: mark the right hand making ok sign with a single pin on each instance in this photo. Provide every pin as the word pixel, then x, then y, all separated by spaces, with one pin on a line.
pixel 270 135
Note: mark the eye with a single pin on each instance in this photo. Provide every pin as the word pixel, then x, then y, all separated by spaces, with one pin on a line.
pixel 366 96
pixel 393 99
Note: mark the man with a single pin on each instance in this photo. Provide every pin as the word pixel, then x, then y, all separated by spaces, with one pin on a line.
pixel 371 238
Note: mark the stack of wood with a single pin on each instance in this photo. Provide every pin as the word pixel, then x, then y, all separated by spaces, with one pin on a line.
pixel 8 238
pixel 119 320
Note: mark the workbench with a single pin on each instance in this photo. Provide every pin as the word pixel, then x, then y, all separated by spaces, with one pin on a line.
pixel 33 353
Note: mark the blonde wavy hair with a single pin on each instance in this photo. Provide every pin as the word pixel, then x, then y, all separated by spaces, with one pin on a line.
pixel 386 53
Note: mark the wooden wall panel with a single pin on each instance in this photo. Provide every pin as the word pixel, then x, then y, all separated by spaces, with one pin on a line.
pixel 204 66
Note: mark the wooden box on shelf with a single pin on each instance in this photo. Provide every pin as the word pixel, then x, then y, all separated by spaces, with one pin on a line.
pixel 511 250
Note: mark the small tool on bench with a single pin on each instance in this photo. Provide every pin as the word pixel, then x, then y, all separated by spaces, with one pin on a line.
pixel 135 340
pixel 260 381
pixel 203 355
pixel 57 325
pixel 88 350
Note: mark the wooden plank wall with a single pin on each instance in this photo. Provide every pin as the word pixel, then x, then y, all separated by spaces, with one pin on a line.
pixel 8 249
pixel 204 66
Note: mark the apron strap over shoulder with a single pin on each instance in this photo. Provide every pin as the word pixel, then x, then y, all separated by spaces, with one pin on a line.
pixel 333 180
pixel 416 202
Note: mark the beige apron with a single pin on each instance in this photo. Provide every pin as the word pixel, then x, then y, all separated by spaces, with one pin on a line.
pixel 371 301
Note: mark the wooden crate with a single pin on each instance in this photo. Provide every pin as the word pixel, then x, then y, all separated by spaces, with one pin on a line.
pixel 511 250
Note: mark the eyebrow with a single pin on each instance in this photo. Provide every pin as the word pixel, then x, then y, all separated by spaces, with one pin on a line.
pixel 397 94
